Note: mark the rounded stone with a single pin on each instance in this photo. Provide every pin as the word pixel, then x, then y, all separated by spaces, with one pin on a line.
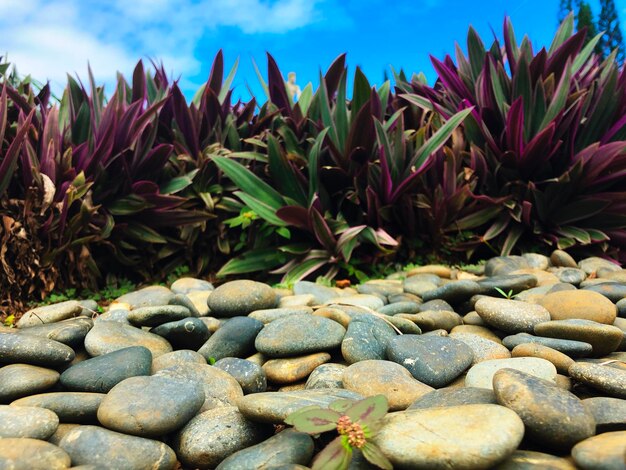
pixel 27 421
pixel 552 416
pixel 178 358
pixel 213 435
pixel 270 314
pixel 184 285
pixel 531 460
pixel 611 290
pixel 582 304
pixel 150 406
pixel 438 270
pixel 70 407
pixel 299 334
pixel 561 361
pixel 366 338
pixel 609 413
pixel 433 360
pixel 511 316
pixel 157 315
pixel 199 299
pixel 326 376
pixel 107 336
pixel 400 307
pixel 483 349
pixel 513 283
pixel 593 264
pixel 481 375
pixel 572 276
pixel 50 314
pixel 604 451
pixel 241 297
pixel 100 374
pixel 189 333
pixel 18 380
pixel 453 292
pixel 235 338
pixel 563 259
pixel 32 454
pixel 536 260
pixel 293 369
pixel 288 447
pixel 374 377
pixel 610 380
pixel 454 397
pixel 430 320
pixel 115 450
pixel 71 332
pixel 566 346
pixel 321 294
pixel 16 348
pixel 250 376
pixel 503 265
pixel 481 331
pixel 604 339
pixel 463 437
pixel 147 297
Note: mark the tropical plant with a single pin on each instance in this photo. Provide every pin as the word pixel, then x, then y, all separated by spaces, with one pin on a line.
pixel 356 422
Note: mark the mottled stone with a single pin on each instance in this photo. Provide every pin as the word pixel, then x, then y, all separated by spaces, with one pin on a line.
pixel 184 285
pixel 115 450
pixel 119 315
pixel 50 314
pixel 532 460
pixel 366 338
pixel 453 292
pixel 478 330
pixel 401 325
pixel 106 337
pixel 481 375
pixel 583 304
pixel 511 316
pixel 553 417
pixel 250 376
pixel 436 304
pixel 604 451
pixel 270 314
pixel 241 297
pixel 571 276
pixel 71 332
pixel 27 421
pixel 561 361
pixel 594 264
pixel 16 348
pixel 32 454
pixel 189 332
pixel 609 413
pixel 562 259
pixel 454 397
pixel 150 406
pixel 235 338
pixel 70 407
pixel 503 265
pixel 157 315
pixel 604 339
pixel 213 435
pixel 483 349
pixel 469 436
pixel 399 307
pixel 610 380
pixel 611 290
pixel 321 294
pixel 329 375
pixel 334 314
pixel 566 346
pixel 147 297
pixel 18 380
pixel 293 369
pixel 433 360
pixel 371 302
pixel 199 299
pixel 178 358
pixel 292 301
pixel 374 377
pixel 430 320
pixel 508 283
pixel 536 260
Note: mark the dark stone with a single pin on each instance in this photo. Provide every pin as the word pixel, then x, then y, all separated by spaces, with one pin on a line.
pixel 70 407
pixel 235 338
pixel 454 397
pixel 16 348
pixel 19 380
pixel 512 282
pixel 366 338
pixel 503 265
pixel 71 332
pixel 609 413
pixel 453 292
pixel 611 290
pixel 189 333
pixel 157 315
pixel 566 346
pixel 250 376
pixel 399 307
pixel 236 298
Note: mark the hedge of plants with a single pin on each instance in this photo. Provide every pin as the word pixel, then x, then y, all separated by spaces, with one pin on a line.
pixel 510 150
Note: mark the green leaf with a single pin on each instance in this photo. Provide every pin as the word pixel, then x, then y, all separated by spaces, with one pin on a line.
pixel 252 261
pixel 368 410
pixel 263 210
pixel 341 113
pixel 375 456
pixel 304 101
pixel 564 32
pixel 143 233
pixel 128 205
pixel 341 405
pixel 228 81
pixel 419 101
pixel 335 456
pixel 282 172
pixel 289 419
pixel 361 91
pixel 179 183
pixel 383 94
pixel 302 270
pixel 511 239
pixel 477 219
pixel 253 156
pixel 266 89
pixel 559 99
pixel 476 52
pixel 314 156
pixel 315 421
pixel 585 53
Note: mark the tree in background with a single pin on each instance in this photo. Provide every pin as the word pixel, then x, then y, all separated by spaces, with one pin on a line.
pixel 565 6
pixel 584 19
pixel 610 24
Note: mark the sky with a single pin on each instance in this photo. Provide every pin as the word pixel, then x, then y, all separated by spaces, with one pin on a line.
pixel 50 38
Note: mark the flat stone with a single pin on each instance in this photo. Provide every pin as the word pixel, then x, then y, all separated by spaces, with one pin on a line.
pixel 544 278
pixel 609 413
pixel 274 407
pixel 299 334
pixel 334 314
pixel 71 332
pixel 399 307
pixel 594 264
pixel 182 300
pixel 374 377
pixel 213 435
pixel 468 436
pixel 32 454
pixel 100 374
pixel 481 375
pixel 582 304
pixel 147 297
pixel 115 450
pixel 235 338
pixel 50 314
pixel 199 299
pixel 536 260
pixel 119 315
pixel 503 265
pixel 529 460
pixel 270 314
pixel 361 300
pixel 320 293
pixel 157 315
pixel 366 338
pixel 288 447
pixel 604 451
pixel 291 301
pixel 433 360
pixel 417 285
pixel 241 297
pixel 27 421
pixel 562 258
pixel 553 417
pixel 150 406
pixel 438 270
pixel 511 316
pixel 478 330
pixel 429 320
pixel 220 388
pixel 483 349
pixel 293 369
pixel 508 283
pixel 184 285
pixel 329 375
pixel 436 304
pixel 454 397
pixel 566 346
pixel 107 337
pixel 604 339
pixel 189 332
pixel 572 276
pixel 250 376
pixel 402 325
pixel 453 292
pixel 179 358
pixel 610 380
pixel 70 407
pixel 611 290
pixel 18 380
pixel 561 361
pixel 16 348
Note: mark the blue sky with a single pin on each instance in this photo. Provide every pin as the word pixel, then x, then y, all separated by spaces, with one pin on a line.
pixel 49 38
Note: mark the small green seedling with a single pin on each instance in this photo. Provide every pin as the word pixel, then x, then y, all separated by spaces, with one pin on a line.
pixel 356 423
pixel 211 360
pixel 507 295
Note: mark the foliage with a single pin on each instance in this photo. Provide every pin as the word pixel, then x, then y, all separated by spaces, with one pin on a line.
pixel 356 422
pixel 609 22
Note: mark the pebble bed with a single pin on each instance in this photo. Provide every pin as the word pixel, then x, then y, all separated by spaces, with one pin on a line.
pixel 193 376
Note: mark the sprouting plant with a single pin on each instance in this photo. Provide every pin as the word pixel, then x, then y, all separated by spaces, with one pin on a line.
pixel 507 295
pixel 211 360
pixel 356 423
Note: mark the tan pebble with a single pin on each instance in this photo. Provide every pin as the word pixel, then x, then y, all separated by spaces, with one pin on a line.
pixel 561 361
pixel 472 318
pixel 293 387
pixel 334 314
pixel 582 304
pixel 437 269
pixel 293 369
pixel 477 330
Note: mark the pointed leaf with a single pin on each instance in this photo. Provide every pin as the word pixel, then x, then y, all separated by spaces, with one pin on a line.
pixel 368 410
pixel 261 208
pixel 315 421
pixel 252 261
pixel 335 456
pixel 375 456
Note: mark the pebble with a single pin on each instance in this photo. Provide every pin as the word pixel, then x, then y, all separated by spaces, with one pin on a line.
pixel 157 315
pixel 241 297
pixel 511 316
pixel 562 258
pixel 503 265
pixel 528 460
pixel 270 314
pixel 71 332
pixel 594 264
pixel 119 315
pixel 366 338
pixel 375 377
pixel 32 454
pixel 199 299
pixel 536 260
pixel 100 374
pixel 27 421
pixel 609 413
pixel 334 314
pixel 605 451
pixel 513 283
pixel 288 447
pixel 371 302
pixel 483 349
pixel 566 346
pixel 399 307
pixel 235 338
pixel 433 360
pixel 329 375
pixel 453 292
pixel 189 333
pixel 16 348
pixel 293 369
pixel 438 270
pixel 430 320
pixel 150 406
pixel 581 304
pixel 481 374
pixel 573 276
pixel 70 407
pixel 18 380
pixel 481 331
pixel 299 334
pixel 444 397
pixel 552 416
pixel 147 297
pixel 561 361
pixel 179 358
pixel 50 314
pixel 215 434
pixel 185 285
pixel 115 450
pixel 107 336
pixel 468 436
pixel 604 339
pixel 321 294
pixel 610 380
pixel 611 290
pixel 291 301
pixel 250 376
